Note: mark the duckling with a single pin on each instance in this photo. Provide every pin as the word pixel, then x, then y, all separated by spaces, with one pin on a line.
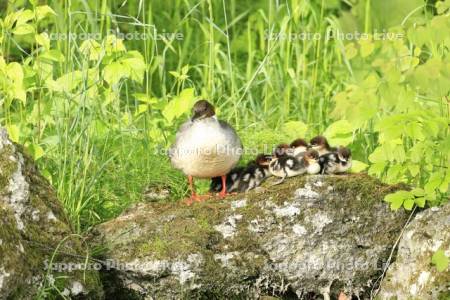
pixel 336 162
pixel 255 173
pixel 232 181
pixel 281 149
pixel 320 144
pixel 299 147
pixel 289 166
pixel 311 161
pixel 205 147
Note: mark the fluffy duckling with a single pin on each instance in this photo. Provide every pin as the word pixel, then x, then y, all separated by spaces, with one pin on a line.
pixel 205 147
pixel 255 173
pixel 320 144
pixel 280 150
pixel 289 166
pixel 336 162
pixel 299 147
pixel 232 181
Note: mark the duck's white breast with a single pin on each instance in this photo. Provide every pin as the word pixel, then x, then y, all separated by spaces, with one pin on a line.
pixel 206 148
pixel 313 168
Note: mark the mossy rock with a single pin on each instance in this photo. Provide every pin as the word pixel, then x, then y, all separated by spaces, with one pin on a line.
pixel 412 275
pixel 34 233
pixel 310 236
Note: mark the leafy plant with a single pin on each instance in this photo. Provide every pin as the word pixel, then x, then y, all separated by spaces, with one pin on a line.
pixel 400 107
pixel 440 260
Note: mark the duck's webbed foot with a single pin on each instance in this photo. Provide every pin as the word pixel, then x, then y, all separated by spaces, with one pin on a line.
pixel 196 198
pixel 223 193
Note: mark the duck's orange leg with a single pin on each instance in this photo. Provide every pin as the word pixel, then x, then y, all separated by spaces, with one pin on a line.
pixel 194 196
pixel 223 193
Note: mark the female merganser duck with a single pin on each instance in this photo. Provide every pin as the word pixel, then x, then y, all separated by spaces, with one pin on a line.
pixel 289 166
pixel 320 144
pixel 299 147
pixel 232 181
pixel 336 162
pixel 255 173
pixel 205 147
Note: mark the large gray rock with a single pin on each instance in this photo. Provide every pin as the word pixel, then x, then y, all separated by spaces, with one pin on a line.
pixel 311 236
pixel 412 275
pixel 32 226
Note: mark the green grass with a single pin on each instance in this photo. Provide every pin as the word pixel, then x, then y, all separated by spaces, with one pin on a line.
pixel 96 145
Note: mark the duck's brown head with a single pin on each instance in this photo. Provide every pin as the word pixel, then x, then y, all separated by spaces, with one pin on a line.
pixel 311 156
pixel 263 160
pixel 319 143
pixel 280 150
pixel 202 109
pixel 344 154
pixel 299 143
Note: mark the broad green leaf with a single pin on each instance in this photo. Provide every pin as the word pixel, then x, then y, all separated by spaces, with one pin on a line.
pixel 44 11
pixel 408 204
pixel 21 17
pixel 43 40
pixel 19 93
pixel 416 152
pixel 440 260
pixel 23 29
pixel 174 74
pixel 340 133
pixel 396 204
pixel 113 72
pixel 185 69
pixel 442 6
pixel 433 182
pixel 142 108
pixel 179 105
pixel 420 201
pixel 13 132
pixel 294 129
pixel 414 131
pixel 15 72
pixel 445 185
pixel 37 151
pixel 91 48
pixel 377 169
pixel 65 83
pixel 52 55
pixel 395 174
pixel 358 166
pixel 414 169
pixel 114 44
pixel 43 68
pixel 431 196
pixel 134 61
pixel 145 98
pixel 418 192
pixel 396 199
pixel 378 155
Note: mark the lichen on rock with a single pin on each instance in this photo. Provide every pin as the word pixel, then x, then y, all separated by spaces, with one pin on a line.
pixel 412 276
pixel 311 235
